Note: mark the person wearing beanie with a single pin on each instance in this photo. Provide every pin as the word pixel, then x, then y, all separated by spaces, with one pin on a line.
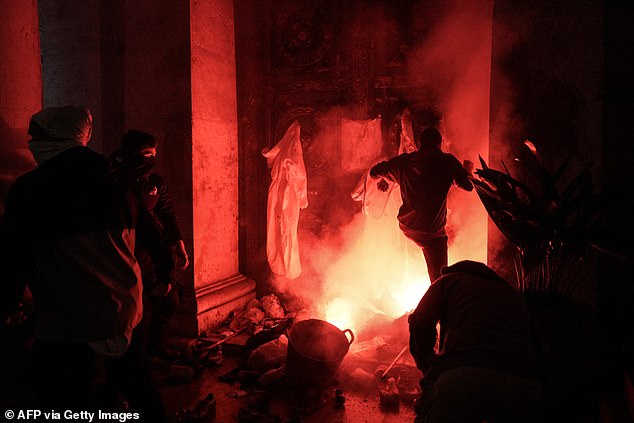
pixel 485 368
pixel 134 161
pixel 56 129
pixel 69 232
pixel 425 177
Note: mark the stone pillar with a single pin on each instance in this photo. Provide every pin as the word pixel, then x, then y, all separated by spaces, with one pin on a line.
pixel 170 71
pixel 71 58
pixel 361 60
pixel 219 286
pixel 180 85
pixel 20 87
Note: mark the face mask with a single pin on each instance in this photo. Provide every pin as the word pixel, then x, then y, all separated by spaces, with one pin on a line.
pixel 139 165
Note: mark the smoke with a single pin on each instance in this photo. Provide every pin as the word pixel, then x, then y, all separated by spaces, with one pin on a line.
pixel 359 267
pixel 454 61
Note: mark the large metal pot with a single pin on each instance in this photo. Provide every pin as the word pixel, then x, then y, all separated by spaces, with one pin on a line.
pixel 315 351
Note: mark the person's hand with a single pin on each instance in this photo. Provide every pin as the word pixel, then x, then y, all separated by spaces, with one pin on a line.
pixel 182 259
pixel 468 166
pixel 382 185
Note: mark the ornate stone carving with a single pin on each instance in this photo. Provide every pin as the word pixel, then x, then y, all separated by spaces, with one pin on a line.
pixel 303 37
pixel 361 61
pixel 311 121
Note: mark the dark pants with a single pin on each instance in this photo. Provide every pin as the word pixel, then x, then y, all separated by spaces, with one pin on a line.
pixel 475 395
pixel 64 376
pixel 435 252
pixel 131 376
pixel 157 315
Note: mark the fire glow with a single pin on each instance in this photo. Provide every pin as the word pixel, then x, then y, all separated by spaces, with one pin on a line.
pixel 383 274
pixel 375 272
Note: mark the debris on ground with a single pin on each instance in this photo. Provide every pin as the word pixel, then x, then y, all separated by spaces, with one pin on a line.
pixel 272 307
pixel 273 376
pixel 237 394
pixel 268 356
pixel 203 412
pixel 389 397
pixel 340 400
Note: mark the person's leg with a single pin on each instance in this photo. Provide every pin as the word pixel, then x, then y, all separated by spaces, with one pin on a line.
pixel 482 395
pixel 130 374
pixel 435 252
pixel 163 308
pixel 63 375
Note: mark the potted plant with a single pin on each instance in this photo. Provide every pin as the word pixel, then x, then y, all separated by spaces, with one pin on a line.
pixel 556 231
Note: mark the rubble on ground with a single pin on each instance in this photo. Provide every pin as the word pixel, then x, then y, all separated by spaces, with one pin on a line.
pixel 261 326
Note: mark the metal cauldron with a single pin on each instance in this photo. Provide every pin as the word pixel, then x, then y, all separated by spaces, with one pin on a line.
pixel 316 348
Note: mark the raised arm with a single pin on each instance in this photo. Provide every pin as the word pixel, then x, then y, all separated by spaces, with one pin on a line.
pixel 462 174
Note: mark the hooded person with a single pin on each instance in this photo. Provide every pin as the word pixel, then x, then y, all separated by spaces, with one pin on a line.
pixel 69 231
pixel 485 367
pixel 134 161
pixel 56 129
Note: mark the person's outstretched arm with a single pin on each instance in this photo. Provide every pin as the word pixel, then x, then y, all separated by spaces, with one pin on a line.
pixel 388 169
pixel 462 173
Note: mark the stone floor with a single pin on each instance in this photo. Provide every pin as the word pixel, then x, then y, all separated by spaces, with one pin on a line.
pixel 358 378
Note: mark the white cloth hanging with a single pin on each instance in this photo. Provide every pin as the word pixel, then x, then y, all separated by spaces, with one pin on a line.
pixel 374 202
pixel 406 143
pixel 287 195
pixel 362 143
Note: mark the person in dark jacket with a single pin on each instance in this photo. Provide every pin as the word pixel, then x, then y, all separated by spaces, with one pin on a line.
pixel 69 231
pixel 425 177
pixel 485 369
pixel 134 161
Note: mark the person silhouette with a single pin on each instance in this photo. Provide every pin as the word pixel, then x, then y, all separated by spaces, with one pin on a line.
pixel 425 177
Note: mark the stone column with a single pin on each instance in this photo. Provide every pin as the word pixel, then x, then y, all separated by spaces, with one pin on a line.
pixel 180 85
pixel 71 58
pixel 220 287
pixel 170 71
pixel 20 87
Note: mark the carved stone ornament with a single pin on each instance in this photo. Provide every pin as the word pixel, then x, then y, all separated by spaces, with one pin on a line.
pixel 304 36
pixel 310 120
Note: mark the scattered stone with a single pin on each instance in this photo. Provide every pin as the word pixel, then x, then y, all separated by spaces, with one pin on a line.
pixel 237 394
pixel 269 355
pixel 273 376
pixel 272 307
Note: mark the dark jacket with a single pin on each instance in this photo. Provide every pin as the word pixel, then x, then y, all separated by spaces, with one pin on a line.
pixel 484 322
pixel 151 189
pixel 69 231
pixel 424 177
pixel 152 192
pixel 154 196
